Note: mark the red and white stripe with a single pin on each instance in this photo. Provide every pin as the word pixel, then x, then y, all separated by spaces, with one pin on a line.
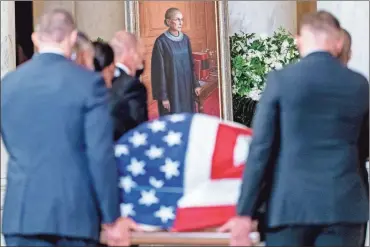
pixel 215 158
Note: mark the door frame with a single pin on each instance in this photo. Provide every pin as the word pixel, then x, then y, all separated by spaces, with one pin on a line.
pixel 132 24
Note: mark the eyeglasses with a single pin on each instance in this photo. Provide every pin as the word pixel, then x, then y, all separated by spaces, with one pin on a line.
pixel 178 19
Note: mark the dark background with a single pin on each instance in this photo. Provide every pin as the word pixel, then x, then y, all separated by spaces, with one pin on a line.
pixel 24 27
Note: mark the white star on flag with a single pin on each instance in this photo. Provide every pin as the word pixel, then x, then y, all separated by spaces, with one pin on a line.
pixel 136 167
pixel 138 139
pixel 170 168
pixel 175 118
pixel 156 183
pixel 148 198
pixel 154 152
pixel 127 209
pixel 165 214
pixel 173 138
pixel 241 150
pixel 121 149
pixel 127 184
pixel 157 126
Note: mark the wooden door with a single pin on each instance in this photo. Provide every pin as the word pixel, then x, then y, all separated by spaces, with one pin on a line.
pixel 199 25
pixel 305 7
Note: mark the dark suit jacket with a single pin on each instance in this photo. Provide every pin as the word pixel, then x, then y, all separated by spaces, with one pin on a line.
pixel 129 103
pixel 62 175
pixel 316 107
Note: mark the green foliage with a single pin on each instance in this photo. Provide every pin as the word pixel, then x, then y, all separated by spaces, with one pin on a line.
pixel 99 39
pixel 252 58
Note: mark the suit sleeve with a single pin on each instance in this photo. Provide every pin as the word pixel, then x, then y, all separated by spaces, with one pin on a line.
pixel 265 128
pixel 131 109
pixel 100 152
pixel 158 73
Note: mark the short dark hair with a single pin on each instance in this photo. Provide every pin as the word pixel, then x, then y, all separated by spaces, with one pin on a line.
pixel 320 21
pixel 104 55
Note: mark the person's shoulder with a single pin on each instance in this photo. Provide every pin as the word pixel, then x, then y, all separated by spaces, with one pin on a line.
pixel 359 77
pixel 9 78
pixel 360 80
pixel 186 36
pixel 160 38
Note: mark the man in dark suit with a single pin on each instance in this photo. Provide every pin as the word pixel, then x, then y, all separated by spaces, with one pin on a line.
pixel 314 111
pixel 55 123
pixel 363 142
pixel 129 95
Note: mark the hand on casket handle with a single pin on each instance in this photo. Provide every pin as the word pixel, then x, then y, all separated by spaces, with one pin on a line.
pixel 119 233
pixel 240 228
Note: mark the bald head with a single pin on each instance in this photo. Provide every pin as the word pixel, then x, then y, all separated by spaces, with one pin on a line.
pixel 55 26
pixel 127 50
pixel 123 42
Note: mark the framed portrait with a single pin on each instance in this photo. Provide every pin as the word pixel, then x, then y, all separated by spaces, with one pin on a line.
pixel 187 61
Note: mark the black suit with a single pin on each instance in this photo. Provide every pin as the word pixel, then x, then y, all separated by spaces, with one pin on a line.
pixel 317 107
pixel 129 103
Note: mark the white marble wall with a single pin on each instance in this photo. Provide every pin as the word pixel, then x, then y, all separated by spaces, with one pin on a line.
pixel 354 16
pixel 8 62
pixel 262 16
pixel 100 18
pixel 95 18
pixel 7 37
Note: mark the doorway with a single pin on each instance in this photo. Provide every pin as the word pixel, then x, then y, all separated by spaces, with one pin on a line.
pixel 23 30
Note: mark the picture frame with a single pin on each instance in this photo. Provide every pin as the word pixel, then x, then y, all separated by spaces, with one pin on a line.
pixel 133 24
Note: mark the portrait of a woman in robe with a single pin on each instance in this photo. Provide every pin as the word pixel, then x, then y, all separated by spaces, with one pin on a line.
pixel 174 84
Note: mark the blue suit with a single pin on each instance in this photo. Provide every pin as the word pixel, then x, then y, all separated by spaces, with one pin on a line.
pixel 62 176
pixel 306 133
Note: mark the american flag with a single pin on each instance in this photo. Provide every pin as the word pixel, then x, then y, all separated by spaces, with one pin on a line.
pixel 182 172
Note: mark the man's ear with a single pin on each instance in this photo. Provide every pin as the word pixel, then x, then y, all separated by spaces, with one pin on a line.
pixel 35 40
pixel 297 40
pixel 340 45
pixel 349 55
pixel 73 37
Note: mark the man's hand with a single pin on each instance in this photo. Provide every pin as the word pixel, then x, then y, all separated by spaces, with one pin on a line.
pixel 240 228
pixel 197 91
pixel 119 233
pixel 166 104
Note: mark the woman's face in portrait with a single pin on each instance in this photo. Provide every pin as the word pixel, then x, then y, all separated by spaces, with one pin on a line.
pixel 176 22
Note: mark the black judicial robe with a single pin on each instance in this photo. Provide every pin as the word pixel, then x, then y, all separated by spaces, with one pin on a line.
pixel 172 73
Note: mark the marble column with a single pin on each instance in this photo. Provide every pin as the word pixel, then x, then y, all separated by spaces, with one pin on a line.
pixel 8 63
pixel 262 16
pixel 100 18
pixel 357 25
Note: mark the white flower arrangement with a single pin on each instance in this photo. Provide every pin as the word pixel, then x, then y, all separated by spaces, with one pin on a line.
pixel 253 57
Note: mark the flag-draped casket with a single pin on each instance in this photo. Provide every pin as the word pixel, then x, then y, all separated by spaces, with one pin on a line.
pixel 182 172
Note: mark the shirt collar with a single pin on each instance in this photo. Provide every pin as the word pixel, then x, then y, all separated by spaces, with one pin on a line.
pixel 53 50
pixel 123 67
pixel 309 52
